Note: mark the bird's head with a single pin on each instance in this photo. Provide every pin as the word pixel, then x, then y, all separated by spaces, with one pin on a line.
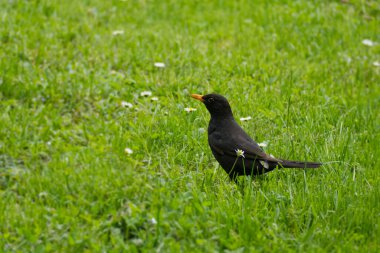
pixel 216 104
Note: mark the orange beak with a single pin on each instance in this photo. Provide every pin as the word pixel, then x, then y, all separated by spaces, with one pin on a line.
pixel 198 97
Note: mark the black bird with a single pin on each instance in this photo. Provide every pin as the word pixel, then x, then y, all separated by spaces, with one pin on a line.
pixel 235 151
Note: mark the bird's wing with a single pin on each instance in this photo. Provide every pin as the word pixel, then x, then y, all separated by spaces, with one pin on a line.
pixel 227 145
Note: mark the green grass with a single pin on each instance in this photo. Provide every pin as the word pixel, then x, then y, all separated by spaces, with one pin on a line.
pixel 298 68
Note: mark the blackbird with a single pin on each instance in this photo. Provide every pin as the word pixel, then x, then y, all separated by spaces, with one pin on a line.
pixel 235 151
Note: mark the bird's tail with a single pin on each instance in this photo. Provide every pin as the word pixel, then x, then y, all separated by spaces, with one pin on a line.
pixel 298 164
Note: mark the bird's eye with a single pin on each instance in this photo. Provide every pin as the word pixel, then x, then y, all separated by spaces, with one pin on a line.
pixel 210 100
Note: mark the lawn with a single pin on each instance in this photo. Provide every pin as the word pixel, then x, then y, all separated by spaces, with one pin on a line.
pixel 97 152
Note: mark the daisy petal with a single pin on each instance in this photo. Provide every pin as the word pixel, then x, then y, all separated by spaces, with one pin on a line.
pixel 189 109
pixel 146 93
pixel 159 64
pixel 117 32
pixel 246 118
pixel 368 42
pixel 239 153
pixel 263 144
pixel 126 104
pixel 128 151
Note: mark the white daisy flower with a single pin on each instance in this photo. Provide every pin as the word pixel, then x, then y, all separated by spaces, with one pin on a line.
pixel 246 118
pixel 153 221
pixel 154 99
pixel 42 194
pixel 189 109
pixel 239 153
pixel 117 32
pixel 159 65
pixel 146 93
pixel 128 151
pixel 348 59
pixel 126 104
pixel 263 144
pixel 368 42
